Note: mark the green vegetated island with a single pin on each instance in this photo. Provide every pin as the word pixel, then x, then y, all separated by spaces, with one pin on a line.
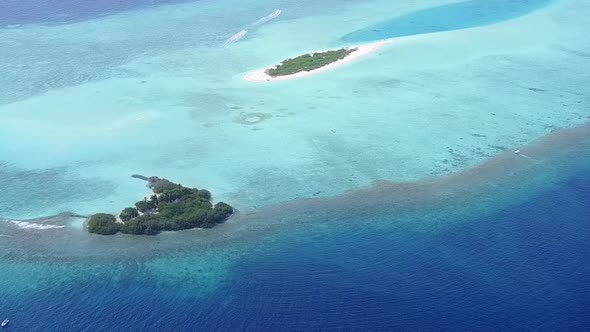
pixel 171 208
pixel 308 62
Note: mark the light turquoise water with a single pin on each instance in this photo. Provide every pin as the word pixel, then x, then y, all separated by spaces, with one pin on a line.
pixel 137 93
pixel 156 92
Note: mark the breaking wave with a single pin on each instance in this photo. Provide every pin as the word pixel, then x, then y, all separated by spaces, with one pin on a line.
pixel 31 225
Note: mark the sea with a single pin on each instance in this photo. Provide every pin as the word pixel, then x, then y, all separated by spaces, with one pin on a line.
pixel 441 183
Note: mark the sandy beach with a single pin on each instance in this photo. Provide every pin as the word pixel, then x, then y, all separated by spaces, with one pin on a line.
pixel 362 50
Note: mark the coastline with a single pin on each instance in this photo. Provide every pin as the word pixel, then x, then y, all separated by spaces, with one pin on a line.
pixel 260 75
pixel 441 181
pixel 506 173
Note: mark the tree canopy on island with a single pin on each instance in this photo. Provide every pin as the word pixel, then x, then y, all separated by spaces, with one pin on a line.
pixel 308 62
pixel 172 208
pixel 103 223
pixel 128 214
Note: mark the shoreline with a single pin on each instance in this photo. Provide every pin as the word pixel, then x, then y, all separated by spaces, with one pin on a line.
pixel 260 75
pixel 504 172
pixel 502 176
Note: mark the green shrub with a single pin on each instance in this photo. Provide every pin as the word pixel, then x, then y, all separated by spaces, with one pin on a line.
pixel 163 185
pixel 174 194
pixel 204 194
pixel 147 205
pixel 142 206
pixel 152 227
pixel 134 226
pixel 128 214
pixel 104 224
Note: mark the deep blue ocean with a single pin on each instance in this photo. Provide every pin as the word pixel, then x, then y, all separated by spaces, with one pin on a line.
pixel 66 11
pixel 521 268
pixel 524 268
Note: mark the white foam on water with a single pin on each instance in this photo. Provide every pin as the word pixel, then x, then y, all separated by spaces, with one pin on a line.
pixel 30 225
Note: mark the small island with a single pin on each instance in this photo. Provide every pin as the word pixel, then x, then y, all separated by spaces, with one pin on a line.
pixel 312 63
pixel 171 208
pixel 309 62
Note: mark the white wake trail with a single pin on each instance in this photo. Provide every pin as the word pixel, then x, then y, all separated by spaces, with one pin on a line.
pixel 269 17
pixel 260 21
pixel 236 37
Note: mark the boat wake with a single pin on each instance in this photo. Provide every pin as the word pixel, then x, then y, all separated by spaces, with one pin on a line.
pixel 236 37
pixel 269 17
pixel 260 21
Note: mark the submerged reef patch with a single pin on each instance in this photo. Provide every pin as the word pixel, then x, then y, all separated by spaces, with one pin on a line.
pixel 54 187
pixel 252 118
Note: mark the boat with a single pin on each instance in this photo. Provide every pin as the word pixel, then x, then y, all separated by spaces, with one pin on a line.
pixel 5 322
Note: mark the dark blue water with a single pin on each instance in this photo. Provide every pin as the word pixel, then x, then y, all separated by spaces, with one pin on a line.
pixel 455 16
pixel 524 268
pixel 66 11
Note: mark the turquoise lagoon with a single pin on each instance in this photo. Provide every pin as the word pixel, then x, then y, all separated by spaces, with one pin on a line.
pixel 434 118
pixel 84 105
